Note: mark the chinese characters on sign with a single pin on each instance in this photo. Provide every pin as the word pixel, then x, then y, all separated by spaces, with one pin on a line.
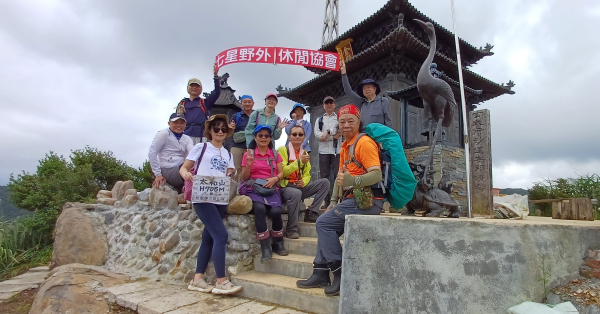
pixel 344 48
pixel 278 55
pixel 210 189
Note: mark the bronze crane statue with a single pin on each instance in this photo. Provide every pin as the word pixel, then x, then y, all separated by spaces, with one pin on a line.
pixel 438 100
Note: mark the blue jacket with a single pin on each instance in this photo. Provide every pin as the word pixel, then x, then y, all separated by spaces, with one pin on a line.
pixel 195 115
pixel 307 132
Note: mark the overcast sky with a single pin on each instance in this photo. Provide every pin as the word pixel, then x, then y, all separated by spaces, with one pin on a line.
pixel 108 73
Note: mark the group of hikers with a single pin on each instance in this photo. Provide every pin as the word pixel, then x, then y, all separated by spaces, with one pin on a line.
pixel 194 144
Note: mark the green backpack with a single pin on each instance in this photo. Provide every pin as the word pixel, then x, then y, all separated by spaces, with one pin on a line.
pixel 398 182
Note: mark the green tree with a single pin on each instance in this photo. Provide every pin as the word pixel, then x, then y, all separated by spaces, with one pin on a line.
pixel 143 177
pixel 58 180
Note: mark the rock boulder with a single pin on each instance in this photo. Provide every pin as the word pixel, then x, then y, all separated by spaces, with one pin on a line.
pixel 75 288
pixel 106 201
pixel 115 189
pixel 79 238
pixel 163 197
pixel 127 185
pixel 104 194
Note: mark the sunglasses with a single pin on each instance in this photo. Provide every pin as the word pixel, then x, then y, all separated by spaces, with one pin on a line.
pixel 297 134
pixel 263 135
pixel 217 129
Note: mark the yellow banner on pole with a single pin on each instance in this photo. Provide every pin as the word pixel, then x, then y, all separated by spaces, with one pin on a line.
pixel 344 48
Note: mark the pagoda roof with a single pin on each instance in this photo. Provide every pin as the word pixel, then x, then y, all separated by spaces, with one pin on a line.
pixel 227 96
pixel 400 41
pixel 396 7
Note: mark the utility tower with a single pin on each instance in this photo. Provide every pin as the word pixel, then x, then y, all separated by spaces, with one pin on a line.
pixel 331 21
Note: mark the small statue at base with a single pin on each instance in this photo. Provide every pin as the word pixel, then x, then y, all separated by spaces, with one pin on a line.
pixel 433 200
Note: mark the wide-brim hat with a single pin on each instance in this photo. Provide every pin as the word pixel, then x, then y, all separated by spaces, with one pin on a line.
pixel 223 117
pixel 359 89
pixel 297 106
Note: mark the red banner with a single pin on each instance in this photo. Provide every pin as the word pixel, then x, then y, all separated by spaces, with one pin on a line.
pixel 278 55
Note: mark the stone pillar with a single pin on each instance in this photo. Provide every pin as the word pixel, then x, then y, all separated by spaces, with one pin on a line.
pixel 480 146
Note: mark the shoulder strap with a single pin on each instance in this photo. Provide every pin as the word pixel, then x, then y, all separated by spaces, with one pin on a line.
pixel 351 151
pixel 321 123
pixel 201 102
pixel 274 161
pixel 197 165
pixel 256 122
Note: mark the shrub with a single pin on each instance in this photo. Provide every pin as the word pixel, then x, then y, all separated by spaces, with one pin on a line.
pixel 22 247
pixel 584 186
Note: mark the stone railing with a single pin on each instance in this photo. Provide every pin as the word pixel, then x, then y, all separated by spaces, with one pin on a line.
pixel 155 233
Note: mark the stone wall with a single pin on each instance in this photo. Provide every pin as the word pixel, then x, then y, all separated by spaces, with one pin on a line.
pixel 446 159
pixel 155 233
pixel 437 265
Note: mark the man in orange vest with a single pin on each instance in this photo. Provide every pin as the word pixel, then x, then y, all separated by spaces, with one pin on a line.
pixel 364 171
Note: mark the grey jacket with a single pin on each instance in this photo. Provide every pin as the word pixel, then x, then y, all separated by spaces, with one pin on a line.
pixel 377 111
pixel 166 151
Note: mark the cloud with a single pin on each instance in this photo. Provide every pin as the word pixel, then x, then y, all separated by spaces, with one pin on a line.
pixel 108 73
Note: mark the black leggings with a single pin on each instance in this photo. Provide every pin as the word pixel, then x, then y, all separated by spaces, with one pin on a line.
pixel 260 211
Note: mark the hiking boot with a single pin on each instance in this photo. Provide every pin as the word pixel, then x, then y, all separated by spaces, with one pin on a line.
pixel 277 245
pixel 293 234
pixel 310 216
pixel 265 246
pixel 226 287
pixel 200 285
pixel 318 279
pixel 334 288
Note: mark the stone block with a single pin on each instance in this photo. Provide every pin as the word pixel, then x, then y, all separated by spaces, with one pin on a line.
pixel 106 201
pixel 129 200
pixel 78 238
pixel 104 194
pixel 163 197
pixel 116 188
pixel 130 192
pixel 481 163
pixel 144 195
pixel 126 185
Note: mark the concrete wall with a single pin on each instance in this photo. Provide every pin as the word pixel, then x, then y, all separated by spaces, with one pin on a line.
pixel 435 265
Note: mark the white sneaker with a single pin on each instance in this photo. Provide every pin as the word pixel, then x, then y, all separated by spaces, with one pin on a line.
pixel 226 287
pixel 200 285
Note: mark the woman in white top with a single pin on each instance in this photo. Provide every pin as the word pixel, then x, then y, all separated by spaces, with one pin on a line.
pixel 215 161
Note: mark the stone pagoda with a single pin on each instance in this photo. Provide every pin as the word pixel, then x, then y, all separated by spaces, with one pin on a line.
pixel 390 47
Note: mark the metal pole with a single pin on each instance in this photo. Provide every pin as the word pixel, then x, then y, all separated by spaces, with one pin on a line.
pixel 464 111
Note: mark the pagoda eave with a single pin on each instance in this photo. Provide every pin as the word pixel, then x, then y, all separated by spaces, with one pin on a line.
pixel 399 42
pixel 395 7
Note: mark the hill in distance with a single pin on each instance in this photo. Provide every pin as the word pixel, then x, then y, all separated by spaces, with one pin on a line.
pixel 511 191
pixel 8 211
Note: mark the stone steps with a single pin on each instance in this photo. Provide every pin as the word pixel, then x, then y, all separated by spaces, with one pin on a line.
pixel 154 297
pixel 307 230
pixel 293 265
pixel 302 246
pixel 282 290
pixel 275 281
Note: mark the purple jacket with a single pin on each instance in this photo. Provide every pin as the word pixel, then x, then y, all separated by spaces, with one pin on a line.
pixel 195 115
